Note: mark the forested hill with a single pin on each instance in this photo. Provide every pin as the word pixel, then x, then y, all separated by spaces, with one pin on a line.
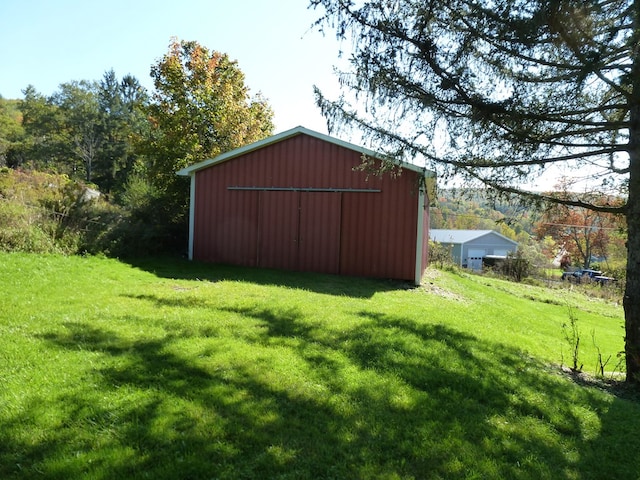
pixel 472 209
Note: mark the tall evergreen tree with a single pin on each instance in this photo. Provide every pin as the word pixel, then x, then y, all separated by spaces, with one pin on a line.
pixel 500 92
pixel 123 123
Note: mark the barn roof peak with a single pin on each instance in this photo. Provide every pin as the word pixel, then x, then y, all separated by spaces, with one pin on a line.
pixel 300 130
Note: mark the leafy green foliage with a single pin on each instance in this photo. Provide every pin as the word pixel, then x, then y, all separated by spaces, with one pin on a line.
pixel 31 210
pixel 48 213
pixel 85 129
pixel 45 145
pixel 113 136
pixel 200 108
pixel 123 123
pixel 440 256
pixel 140 227
pixel 77 104
pixel 11 131
pixel 474 209
pixel 20 234
pixel 516 266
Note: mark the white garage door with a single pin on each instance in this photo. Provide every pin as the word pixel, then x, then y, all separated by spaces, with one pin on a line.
pixel 474 258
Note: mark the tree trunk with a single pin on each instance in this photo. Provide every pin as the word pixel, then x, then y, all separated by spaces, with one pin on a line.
pixel 631 300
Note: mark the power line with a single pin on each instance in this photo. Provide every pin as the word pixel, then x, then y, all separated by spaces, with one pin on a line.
pixel 592 227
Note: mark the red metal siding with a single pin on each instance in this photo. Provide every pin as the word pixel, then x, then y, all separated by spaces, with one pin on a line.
pixel 226 226
pixel 379 231
pixel 278 230
pixel 353 233
pixel 320 215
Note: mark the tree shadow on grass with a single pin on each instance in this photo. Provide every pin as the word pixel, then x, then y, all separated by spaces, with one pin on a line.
pixel 389 398
pixel 164 301
pixel 280 323
pixel 180 268
pixel 570 431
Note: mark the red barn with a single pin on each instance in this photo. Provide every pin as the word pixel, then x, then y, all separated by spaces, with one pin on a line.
pixel 295 201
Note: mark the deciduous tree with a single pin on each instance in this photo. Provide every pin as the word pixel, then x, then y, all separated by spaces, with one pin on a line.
pixel 500 92
pixel 11 132
pixel 77 101
pixel 45 143
pixel 582 232
pixel 201 107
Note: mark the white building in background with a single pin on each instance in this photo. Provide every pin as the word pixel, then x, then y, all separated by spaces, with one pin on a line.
pixel 469 247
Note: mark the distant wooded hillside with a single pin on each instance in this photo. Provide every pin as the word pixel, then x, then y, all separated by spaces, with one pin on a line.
pixel 472 209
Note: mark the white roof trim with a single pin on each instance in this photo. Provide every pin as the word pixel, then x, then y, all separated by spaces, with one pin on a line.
pixel 190 170
pixel 461 237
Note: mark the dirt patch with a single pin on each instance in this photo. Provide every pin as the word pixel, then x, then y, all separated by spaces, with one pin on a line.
pixel 430 286
pixel 611 383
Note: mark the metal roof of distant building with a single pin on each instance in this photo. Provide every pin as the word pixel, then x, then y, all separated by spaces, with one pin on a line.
pixel 462 236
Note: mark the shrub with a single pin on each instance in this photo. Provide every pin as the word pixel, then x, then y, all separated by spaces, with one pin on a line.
pixel 515 266
pixel 440 256
pixel 43 212
pixel 22 229
pixel 34 212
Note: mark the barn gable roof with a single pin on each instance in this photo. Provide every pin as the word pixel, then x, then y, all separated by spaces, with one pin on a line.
pixel 463 236
pixel 190 170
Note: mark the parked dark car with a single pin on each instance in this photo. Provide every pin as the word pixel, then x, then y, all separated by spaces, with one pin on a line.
pixel 601 279
pixel 586 274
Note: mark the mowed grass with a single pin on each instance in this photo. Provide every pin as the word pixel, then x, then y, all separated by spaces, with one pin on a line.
pixel 171 369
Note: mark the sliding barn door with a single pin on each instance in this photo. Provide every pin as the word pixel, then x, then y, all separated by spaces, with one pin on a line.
pixel 319 244
pixel 299 230
pixel 278 230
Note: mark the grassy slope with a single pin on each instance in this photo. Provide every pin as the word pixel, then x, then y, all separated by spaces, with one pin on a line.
pixel 176 370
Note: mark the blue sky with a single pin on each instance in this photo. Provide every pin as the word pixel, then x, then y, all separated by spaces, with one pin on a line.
pixel 48 42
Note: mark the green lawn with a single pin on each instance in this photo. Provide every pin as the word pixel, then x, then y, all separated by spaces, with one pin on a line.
pixel 170 369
